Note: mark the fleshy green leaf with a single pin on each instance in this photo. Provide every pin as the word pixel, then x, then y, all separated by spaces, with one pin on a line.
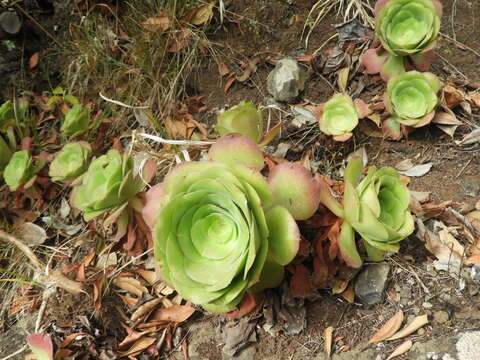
pixel 284 235
pixel 244 119
pixel 234 150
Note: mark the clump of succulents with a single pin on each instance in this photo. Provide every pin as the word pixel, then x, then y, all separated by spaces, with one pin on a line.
pixel 244 119
pixel 407 31
pixel 108 184
pixel 70 162
pixel 339 116
pixel 411 100
pixel 22 169
pixel 76 121
pixel 377 208
pixel 221 228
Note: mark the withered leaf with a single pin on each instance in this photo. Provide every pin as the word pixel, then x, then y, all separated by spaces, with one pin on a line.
pixel 139 346
pixel 389 328
pixel 157 24
pixel 175 313
pixel 416 324
pixel 131 285
pixel 401 349
pixel 145 309
pixel 328 340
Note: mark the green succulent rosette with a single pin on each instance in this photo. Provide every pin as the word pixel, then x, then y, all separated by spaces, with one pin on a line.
pixel 21 170
pixel 70 162
pixel 339 116
pixel 244 119
pixel 108 184
pixel 221 229
pixel 408 31
pixel 76 121
pixel 7 114
pixel 377 208
pixel 411 100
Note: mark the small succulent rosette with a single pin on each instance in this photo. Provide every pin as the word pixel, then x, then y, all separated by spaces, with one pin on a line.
pixel 407 31
pixel 411 100
pixel 70 162
pixel 377 208
pixel 221 228
pixel 244 119
pixel 339 116
pixel 108 184
pixel 76 121
pixel 22 169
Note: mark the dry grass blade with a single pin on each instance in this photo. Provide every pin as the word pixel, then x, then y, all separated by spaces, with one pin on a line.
pixel 401 349
pixel 416 324
pixel 388 329
pixel 328 340
pixel 350 8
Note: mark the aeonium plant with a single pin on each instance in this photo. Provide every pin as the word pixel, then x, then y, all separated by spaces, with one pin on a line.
pixel 339 116
pixel 377 208
pixel 22 169
pixel 70 162
pixel 221 228
pixel 108 184
pixel 76 121
pixel 407 31
pixel 244 119
pixel 411 99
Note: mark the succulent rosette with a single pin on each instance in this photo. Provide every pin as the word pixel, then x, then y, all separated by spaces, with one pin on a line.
pixel 411 100
pixel 221 229
pixel 70 162
pixel 76 121
pixel 108 184
pixel 339 116
pixel 407 31
pixel 244 119
pixel 21 170
pixel 377 208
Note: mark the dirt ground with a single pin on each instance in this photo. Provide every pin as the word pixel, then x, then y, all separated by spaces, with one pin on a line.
pixel 275 26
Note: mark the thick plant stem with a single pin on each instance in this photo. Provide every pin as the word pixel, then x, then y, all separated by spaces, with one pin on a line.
pixel 373 253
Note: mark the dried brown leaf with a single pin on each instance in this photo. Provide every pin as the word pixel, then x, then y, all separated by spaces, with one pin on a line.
pixel 149 275
pixel 416 324
pixel 175 313
pixel 229 82
pixel 223 68
pixel 139 346
pixel 349 294
pixel 401 349
pixel 131 285
pixel 328 340
pixel 157 23
pixel 145 309
pixel 33 62
pixel 202 14
pixel 343 78
pixel 388 329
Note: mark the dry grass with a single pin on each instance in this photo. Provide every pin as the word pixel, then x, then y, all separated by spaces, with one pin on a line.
pixel 350 9
pixel 116 56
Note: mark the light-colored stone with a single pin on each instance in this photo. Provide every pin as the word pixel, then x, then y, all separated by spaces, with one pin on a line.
pixel 468 346
pixel 286 80
pixel 440 317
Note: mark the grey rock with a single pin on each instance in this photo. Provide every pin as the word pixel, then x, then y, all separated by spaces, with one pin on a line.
pixel 471 188
pixel 371 284
pixel 10 22
pixel 440 317
pixel 286 80
pixel 475 273
pixel 468 345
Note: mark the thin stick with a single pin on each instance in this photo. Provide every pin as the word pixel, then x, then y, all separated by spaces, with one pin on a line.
pixel 459 43
pixel 36 23
pixel 18 352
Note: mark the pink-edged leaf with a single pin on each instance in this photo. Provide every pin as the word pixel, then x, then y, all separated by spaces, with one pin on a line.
pixel 234 149
pixel 387 103
pixel 391 128
pixel 284 237
pixel 439 7
pixel 318 111
pixel 422 61
pixel 395 65
pixel 149 170
pixel 373 60
pixel 379 5
pixel 41 345
pixel 294 188
pixel 347 246
pixel 151 209
pixel 363 109
pixel 342 138
pixel 426 120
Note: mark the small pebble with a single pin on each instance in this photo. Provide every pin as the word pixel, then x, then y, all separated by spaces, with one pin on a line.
pixel 440 317
pixel 471 188
pixel 427 305
pixel 421 332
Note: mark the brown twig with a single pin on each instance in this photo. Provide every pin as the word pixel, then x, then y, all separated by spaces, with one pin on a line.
pixel 37 24
pixel 53 277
